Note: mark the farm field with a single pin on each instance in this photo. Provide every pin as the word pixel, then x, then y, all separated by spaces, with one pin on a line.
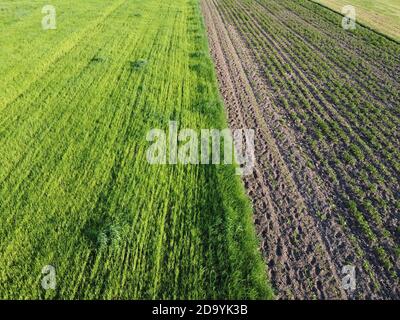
pixel 381 15
pixel 76 190
pixel 79 195
pixel 325 105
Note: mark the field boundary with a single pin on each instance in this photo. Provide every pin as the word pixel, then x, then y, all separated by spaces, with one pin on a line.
pixel 370 28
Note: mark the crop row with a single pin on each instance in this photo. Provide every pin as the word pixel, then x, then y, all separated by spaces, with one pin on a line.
pixel 76 189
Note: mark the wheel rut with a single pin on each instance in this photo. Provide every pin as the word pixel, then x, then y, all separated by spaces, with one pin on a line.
pixel 299 264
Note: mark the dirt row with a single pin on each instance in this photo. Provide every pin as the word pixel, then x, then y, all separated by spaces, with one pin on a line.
pixel 337 223
pixel 304 256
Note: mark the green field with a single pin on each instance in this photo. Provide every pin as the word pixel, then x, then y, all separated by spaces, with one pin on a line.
pixel 76 191
pixel 381 15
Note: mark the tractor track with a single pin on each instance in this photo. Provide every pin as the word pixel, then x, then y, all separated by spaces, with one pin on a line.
pixel 300 264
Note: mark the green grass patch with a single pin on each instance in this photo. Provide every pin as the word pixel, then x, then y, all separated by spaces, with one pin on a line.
pixel 381 15
pixel 76 189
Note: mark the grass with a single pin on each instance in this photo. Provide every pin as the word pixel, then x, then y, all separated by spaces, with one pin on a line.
pixel 75 187
pixel 381 15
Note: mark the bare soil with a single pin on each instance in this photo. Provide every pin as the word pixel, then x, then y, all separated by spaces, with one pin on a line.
pixel 304 253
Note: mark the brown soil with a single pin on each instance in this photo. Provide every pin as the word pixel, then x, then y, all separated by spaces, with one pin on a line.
pixel 304 254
